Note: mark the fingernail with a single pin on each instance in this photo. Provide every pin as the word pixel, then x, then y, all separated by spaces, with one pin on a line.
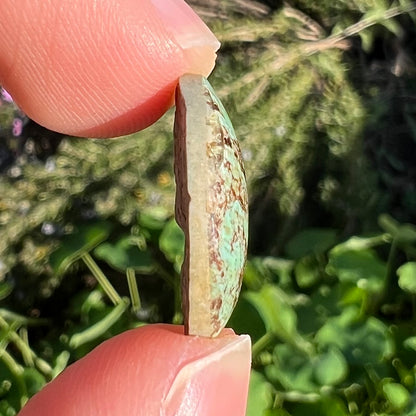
pixel 186 26
pixel 214 384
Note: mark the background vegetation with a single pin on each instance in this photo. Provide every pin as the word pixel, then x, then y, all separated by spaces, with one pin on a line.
pixel 323 98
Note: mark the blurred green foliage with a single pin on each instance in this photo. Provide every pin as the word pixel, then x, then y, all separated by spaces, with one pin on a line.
pixel 322 97
pixel 337 336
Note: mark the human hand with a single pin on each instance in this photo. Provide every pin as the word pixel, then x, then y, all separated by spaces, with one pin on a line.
pixel 152 370
pixel 99 68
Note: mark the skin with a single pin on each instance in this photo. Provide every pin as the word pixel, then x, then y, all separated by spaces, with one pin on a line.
pixel 103 68
pixel 99 68
pixel 153 370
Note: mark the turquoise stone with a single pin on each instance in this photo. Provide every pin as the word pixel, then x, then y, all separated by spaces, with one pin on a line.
pixel 211 207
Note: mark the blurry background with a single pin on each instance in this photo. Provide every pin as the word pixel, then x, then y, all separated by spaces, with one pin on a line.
pixel 323 99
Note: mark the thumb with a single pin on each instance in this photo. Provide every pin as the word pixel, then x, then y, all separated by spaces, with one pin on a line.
pixel 99 68
pixel 151 371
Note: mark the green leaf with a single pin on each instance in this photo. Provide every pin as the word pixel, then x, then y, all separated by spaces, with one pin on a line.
pixel 73 246
pixel 245 319
pixel 277 314
pixel 307 272
pixel 279 267
pixel 253 274
pixel 407 277
pixel 260 395
pixel 292 369
pixel 172 243
pixel 5 289
pixel 361 267
pixel 34 380
pixel 154 221
pixel 393 26
pixel 410 343
pixel 125 254
pixel 361 342
pixel 315 310
pixel 397 395
pixel 330 368
pixel 311 241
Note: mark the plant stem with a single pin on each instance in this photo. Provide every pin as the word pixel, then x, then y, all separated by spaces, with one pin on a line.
pixel 262 343
pixel 133 289
pixel 96 330
pixel 102 279
pixel 29 356
pixel 305 49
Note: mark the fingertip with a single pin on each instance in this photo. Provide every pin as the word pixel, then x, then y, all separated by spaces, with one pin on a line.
pixel 190 33
pixel 215 384
pixel 101 69
pixel 151 370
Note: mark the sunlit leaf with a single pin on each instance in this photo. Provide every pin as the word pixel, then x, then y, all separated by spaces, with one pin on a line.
pixel 151 223
pixel 307 272
pixel 278 315
pixel 73 246
pixel 125 254
pixel 407 277
pixel 361 267
pixel 410 343
pixel 330 368
pixel 393 26
pixel 154 220
pixel 172 243
pixel 397 395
